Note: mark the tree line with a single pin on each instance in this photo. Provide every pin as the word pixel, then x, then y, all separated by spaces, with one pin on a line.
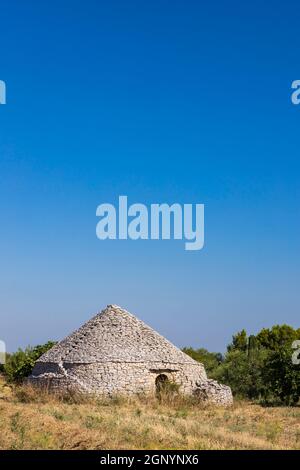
pixel 263 367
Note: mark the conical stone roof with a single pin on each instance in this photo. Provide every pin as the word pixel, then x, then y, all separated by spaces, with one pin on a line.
pixel 115 335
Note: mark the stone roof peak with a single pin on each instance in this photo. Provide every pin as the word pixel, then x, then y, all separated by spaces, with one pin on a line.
pixel 115 335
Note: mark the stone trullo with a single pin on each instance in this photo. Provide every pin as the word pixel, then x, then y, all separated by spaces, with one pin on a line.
pixel 115 353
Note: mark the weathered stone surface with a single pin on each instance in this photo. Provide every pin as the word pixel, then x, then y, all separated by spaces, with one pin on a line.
pixel 115 335
pixel 213 392
pixel 116 353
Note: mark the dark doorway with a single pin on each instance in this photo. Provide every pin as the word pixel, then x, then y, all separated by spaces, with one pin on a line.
pixel 161 383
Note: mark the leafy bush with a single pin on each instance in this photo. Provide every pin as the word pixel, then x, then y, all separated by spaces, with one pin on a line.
pixel 278 337
pixel 257 367
pixel 244 373
pixel 210 360
pixel 20 364
pixel 282 376
pixel 239 342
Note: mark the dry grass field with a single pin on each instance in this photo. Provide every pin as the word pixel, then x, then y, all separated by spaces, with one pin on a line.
pixel 31 420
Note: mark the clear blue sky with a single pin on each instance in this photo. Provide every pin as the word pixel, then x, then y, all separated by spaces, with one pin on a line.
pixel 181 101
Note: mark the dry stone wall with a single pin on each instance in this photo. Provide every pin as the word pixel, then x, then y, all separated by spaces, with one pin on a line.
pixel 112 378
pixel 212 392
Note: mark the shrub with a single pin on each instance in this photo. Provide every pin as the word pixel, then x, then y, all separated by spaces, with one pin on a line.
pixel 257 367
pixel 20 364
pixel 167 392
pixel 210 360
pixel 244 373
pixel 282 376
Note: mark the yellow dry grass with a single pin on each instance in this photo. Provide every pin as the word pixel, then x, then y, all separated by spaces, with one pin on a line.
pixel 36 420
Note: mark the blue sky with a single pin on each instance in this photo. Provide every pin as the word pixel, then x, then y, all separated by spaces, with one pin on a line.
pixel 184 102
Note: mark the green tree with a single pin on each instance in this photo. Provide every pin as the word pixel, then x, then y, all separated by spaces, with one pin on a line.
pixel 277 337
pixel 210 360
pixel 260 367
pixel 20 364
pixel 239 342
pixel 282 376
pixel 244 373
